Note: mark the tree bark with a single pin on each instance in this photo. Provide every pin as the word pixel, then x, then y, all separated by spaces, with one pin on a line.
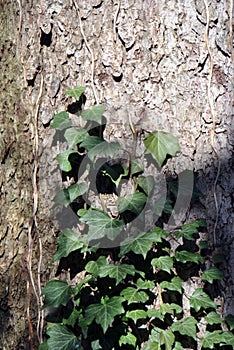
pixel 156 65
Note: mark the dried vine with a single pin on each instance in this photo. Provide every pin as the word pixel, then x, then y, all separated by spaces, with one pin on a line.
pixel 230 27
pixel 90 51
pixel 33 225
pixel 35 282
pixel 115 20
pixel 214 118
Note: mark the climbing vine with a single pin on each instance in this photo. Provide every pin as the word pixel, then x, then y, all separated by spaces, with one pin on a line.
pixel 129 278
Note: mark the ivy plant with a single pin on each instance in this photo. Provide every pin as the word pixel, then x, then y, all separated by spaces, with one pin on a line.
pixel 131 293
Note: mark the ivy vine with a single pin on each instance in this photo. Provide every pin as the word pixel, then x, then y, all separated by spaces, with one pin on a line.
pixel 128 289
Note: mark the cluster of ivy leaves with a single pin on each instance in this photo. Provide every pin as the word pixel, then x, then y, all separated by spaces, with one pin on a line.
pixel 130 296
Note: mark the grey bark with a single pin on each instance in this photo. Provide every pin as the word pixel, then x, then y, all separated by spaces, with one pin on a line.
pixel 151 67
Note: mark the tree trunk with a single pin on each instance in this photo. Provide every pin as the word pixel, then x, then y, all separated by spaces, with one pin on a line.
pixel 156 65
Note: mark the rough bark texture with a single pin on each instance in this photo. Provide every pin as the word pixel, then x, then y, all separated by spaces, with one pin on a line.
pixel 150 63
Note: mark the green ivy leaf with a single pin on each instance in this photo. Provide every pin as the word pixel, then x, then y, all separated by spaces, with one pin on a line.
pixel 136 167
pixel 211 338
pixel 164 263
pixel 162 311
pixel 105 312
pixel 162 205
pixel 228 338
pixel 178 309
pixel 95 114
pixel 68 195
pixel 101 225
pixel 62 198
pixel 200 299
pixel 142 243
pixel 118 272
pixel 212 274
pixel 203 245
pixel 151 345
pixel 166 309
pixel 218 257
pixel 76 93
pixel 133 295
pixel 146 183
pixel 229 319
pixel 185 256
pixel 43 346
pixel 56 293
pixel 213 318
pixel 73 317
pixel 84 323
pixel 63 161
pixel 135 315
pixel 74 136
pixel 94 266
pixel 104 148
pixel 168 208
pixel 76 190
pixel 201 222
pixel 90 142
pixel 68 242
pixel 141 284
pixel 129 339
pixel 186 326
pixel 82 283
pixel 188 230
pixel 178 346
pixel 96 345
pixel 134 202
pixel 164 337
pixel 61 121
pixel 175 284
pixel 155 313
pixel 161 143
pixel 61 338
pixel 82 212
